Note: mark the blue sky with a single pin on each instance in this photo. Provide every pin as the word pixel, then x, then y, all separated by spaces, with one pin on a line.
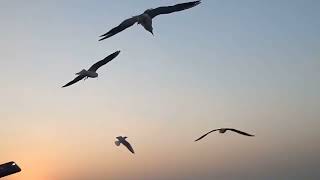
pixel 253 65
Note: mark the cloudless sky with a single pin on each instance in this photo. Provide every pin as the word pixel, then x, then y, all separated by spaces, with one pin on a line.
pixel 251 64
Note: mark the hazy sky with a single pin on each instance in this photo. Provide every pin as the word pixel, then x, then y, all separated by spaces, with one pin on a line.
pixel 249 64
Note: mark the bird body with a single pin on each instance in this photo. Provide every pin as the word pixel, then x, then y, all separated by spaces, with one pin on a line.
pixel 223 130
pixel 122 140
pixel 88 73
pixel 145 19
pixel 91 72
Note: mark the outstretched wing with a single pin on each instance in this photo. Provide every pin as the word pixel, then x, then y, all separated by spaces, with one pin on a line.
pixel 9 168
pixel 206 134
pixel 170 9
pixel 78 78
pixel 127 144
pixel 240 132
pixel 124 25
pixel 104 61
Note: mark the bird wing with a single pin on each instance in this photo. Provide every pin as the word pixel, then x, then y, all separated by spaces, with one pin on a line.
pixel 170 9
pixel 240 132
pixel 78 78
pixel 127 144
pixel 122 26
pixel 8 169
pixel 206 134
pixel 104 61
pixel 119 138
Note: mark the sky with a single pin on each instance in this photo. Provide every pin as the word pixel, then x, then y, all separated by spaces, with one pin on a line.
pixel 251 64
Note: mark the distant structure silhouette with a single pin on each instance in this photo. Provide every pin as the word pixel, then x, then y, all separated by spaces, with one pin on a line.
pixel 91 72
pixel 9 168
pixel 122 140
pixel 223 130
pixel 145 19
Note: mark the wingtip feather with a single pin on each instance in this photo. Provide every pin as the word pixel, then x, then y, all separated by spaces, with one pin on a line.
pixel 197 3
pixel 104 36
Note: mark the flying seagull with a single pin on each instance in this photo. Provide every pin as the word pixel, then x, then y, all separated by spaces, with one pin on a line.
pixel 122 140
pixel 223 130
pixel 9 168
pixel 91 72
pixel 145 19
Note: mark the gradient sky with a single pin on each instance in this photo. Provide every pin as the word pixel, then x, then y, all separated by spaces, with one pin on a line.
pixel 250 64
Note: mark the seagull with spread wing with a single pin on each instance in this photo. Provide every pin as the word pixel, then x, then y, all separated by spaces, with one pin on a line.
pixel 145 19
pixel 223 130
pixel 122 140
pixel 91 72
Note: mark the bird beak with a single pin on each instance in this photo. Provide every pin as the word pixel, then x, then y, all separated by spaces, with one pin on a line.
pixel 151 31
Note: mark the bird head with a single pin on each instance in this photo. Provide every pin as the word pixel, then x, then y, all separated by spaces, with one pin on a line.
pixel 222 130
pixel 149 29
pixel 117 143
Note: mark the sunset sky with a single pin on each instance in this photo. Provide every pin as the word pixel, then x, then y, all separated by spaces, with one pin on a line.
pixel 250 64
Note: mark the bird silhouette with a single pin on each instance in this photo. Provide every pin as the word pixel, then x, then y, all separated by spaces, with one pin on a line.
pixel 145 19
pixel 122 140
pixel 91 72
pixel 223 130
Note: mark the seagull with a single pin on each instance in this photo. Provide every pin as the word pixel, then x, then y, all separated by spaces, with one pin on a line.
pixel 91 72
pixel 145 19
pixel 223 130
pixel 124 142
pixel 9 168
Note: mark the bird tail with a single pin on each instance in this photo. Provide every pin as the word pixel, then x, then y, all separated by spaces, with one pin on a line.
pixel 117 143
